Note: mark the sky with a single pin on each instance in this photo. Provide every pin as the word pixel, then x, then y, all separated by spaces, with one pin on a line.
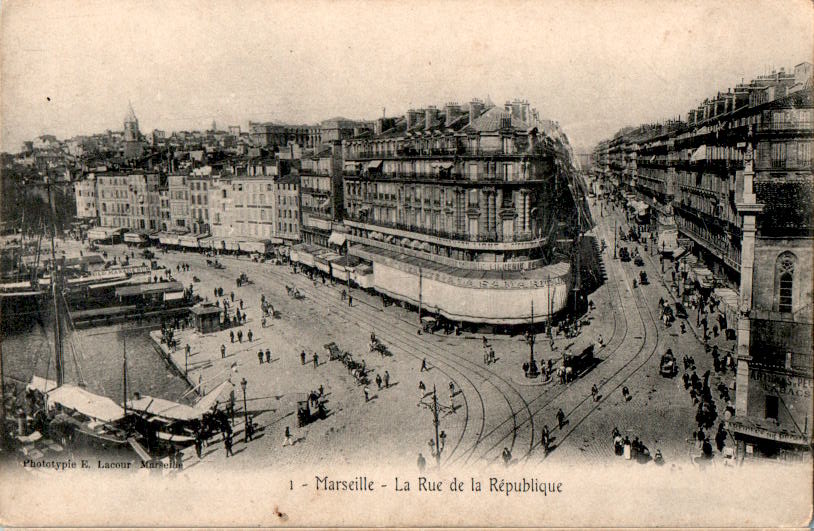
pixel 71 67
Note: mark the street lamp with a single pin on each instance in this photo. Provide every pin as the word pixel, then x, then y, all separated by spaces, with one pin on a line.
pixel 532 371
pixel 243 383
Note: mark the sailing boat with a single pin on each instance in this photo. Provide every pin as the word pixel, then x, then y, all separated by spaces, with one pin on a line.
pixel 72 415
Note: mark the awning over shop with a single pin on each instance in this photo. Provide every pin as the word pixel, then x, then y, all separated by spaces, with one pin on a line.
pixel 134 237
pixel 699 154
pixel 305 258
pixel 323 261
pixel 415 244
pixel 101 233
pixel 188 241
pixel 373 164
pixel 766 429
pixel 337 238
pixel 363 275
pixel 678 253
pixel 255 246
pixel 169 239
pixel 351 166
pixel 206 243
pixel 703 276
pixel 325 204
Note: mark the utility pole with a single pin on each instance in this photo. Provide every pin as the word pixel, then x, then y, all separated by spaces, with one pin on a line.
pixel 124 373
pixel 435 423
pixel 437 445
pixel 614 239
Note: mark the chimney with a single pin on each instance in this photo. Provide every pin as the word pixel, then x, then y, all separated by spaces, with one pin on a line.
pixel 452 111
pixel 475 110
pixel 429 116
pixel 379 127
pixel 411 118
pixel 505 120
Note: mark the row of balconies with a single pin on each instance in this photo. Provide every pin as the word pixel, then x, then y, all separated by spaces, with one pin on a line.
pixel 436 177
pixel 458 239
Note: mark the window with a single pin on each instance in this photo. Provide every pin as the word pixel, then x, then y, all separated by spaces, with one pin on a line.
pixel 784 280
pixel 804 154
pixel 779 155
pixel 772 408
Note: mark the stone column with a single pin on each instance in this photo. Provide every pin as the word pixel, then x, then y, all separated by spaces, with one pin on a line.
pixel 749 208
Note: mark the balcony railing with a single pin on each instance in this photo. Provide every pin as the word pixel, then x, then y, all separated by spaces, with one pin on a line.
pixel 514 265
pixel 792 125
pixel 455 239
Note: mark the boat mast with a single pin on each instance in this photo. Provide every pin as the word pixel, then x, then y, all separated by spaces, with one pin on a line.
pixel 124 373
pixel 60 372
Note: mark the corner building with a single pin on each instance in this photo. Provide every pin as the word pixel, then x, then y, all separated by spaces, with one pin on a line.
pixel 465 213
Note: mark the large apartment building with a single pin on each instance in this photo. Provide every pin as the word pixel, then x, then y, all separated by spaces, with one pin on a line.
pixel 458 210
pixel 736 177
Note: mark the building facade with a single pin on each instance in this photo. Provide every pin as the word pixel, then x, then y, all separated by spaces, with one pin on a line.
pixel 459 211
pixel 737 177
pixel 86 200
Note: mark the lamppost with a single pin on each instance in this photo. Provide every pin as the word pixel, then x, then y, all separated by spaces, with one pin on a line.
pixel 532 371
pixel 243 383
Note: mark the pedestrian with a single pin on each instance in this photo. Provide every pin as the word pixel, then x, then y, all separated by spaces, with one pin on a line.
pixel 386 379
pixel 240 336
pixel 316 360
pixel 223 351
pixel 422 388
pixel 198 445
pixel 594 392
pixel 302 358
pixel 451 387
pixel 250 335
pixel 263 322
pixel 367 394
pixel 350 300
pixel 288 437
pixel 268 356
pixel 560 418
pixel 625 393
pixel 232 335
pixel 232 295
pixel 379 381
pixel 248 430
pixel 241 304
pixel 422 463
pixel 424 365
pixel 544 438
pixel 260 356
pixel 227 443
pixel 507 456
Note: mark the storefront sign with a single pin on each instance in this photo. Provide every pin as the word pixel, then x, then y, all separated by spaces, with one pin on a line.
pixel 782 384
